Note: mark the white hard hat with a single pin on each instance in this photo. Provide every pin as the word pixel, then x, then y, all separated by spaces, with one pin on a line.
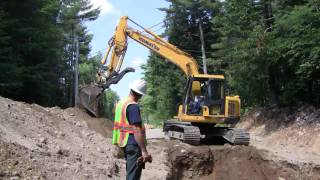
pixel 139 86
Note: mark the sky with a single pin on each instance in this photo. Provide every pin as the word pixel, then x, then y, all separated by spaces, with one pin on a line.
pixel 144 12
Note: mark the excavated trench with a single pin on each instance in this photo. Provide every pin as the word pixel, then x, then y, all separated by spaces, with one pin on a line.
pixel 233 162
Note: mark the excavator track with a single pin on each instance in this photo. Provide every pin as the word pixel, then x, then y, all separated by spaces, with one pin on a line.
pixel 237 136
pixel 193 135
pixel 183 131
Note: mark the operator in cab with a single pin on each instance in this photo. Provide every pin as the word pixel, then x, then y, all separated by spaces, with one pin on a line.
pixel 129 131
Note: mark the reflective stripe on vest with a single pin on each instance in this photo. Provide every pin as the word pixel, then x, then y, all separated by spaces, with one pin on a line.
pixel 125 127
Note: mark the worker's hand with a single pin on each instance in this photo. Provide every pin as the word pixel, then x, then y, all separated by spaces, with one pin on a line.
pixel 146 157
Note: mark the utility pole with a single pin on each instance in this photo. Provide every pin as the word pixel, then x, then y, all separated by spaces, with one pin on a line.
pixel 76 73
pixel 71 67
pixel 204 61
pixel 204 58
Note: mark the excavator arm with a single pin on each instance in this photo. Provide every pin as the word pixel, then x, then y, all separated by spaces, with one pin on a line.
pixel 119 42
pixel 117 46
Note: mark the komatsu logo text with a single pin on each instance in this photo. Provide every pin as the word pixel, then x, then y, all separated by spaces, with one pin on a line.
pixel 153 46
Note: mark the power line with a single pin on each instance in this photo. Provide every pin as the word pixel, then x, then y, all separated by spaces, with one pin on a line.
pixel 159 29
pixel 95 53
pixel 191 50
pixel 156 25
pixel 151 27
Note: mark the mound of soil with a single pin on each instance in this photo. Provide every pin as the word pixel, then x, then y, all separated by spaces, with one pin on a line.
pixel 245 162
pixel 233 162
pixel 285 144
pixel 189 161
pixel 14 162
pixel 290 133
pixel 54 143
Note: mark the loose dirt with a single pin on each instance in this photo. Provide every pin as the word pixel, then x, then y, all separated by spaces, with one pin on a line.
pixel 291 134
pixel 51 143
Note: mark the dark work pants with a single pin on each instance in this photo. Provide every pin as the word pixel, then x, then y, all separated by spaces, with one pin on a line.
pixel 132 153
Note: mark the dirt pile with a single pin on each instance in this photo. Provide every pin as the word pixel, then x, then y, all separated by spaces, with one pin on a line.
pixel 234 162
pixel 188 161
pixel 285 145
pixel 50 143
pixel 290 133
pixel 14 162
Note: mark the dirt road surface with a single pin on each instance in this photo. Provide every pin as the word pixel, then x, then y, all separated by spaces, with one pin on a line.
pixel 51 143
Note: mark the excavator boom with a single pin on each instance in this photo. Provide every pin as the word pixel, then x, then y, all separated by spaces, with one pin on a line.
pixel 117 45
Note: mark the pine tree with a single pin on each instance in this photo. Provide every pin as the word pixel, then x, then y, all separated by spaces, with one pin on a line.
pixel 73 14
pixel 166 81
pixel 35 43
pixel 36 39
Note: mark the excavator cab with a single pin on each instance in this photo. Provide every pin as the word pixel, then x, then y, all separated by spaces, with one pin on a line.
pixel 205 102
pixel 206 92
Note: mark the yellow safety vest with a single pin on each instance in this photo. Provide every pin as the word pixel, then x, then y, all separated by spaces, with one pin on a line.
pixel 121 126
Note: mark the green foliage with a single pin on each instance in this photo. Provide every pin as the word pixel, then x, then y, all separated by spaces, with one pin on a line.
pixel 109 100
pixel 31 46
pixel 88 70
pixel 239 26
pixel 37 46
pixel 165 86
pixel 268 50
pixel 73 14
pixel 165 80
pixel 295 52
pixel 272 60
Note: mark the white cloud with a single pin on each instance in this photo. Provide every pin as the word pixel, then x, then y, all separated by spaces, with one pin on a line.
pixel 104 5
pixel 137 62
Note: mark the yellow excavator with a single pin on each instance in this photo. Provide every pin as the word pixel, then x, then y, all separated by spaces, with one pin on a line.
pixel 206 112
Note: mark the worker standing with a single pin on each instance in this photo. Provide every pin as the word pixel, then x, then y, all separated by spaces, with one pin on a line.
pixel 129 132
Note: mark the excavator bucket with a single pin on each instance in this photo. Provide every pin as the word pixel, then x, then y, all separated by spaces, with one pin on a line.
pixel 90 98
pixel 90 95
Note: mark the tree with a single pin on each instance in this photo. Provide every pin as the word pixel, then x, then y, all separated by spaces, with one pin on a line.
pixel 9 87
pixel 239 25
pixel 72 17
pixel 88 70
pixel 166 81
pixel 109 100
pixel 37 48
pixel 294 49
pixel 267 47
pixel 32 47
